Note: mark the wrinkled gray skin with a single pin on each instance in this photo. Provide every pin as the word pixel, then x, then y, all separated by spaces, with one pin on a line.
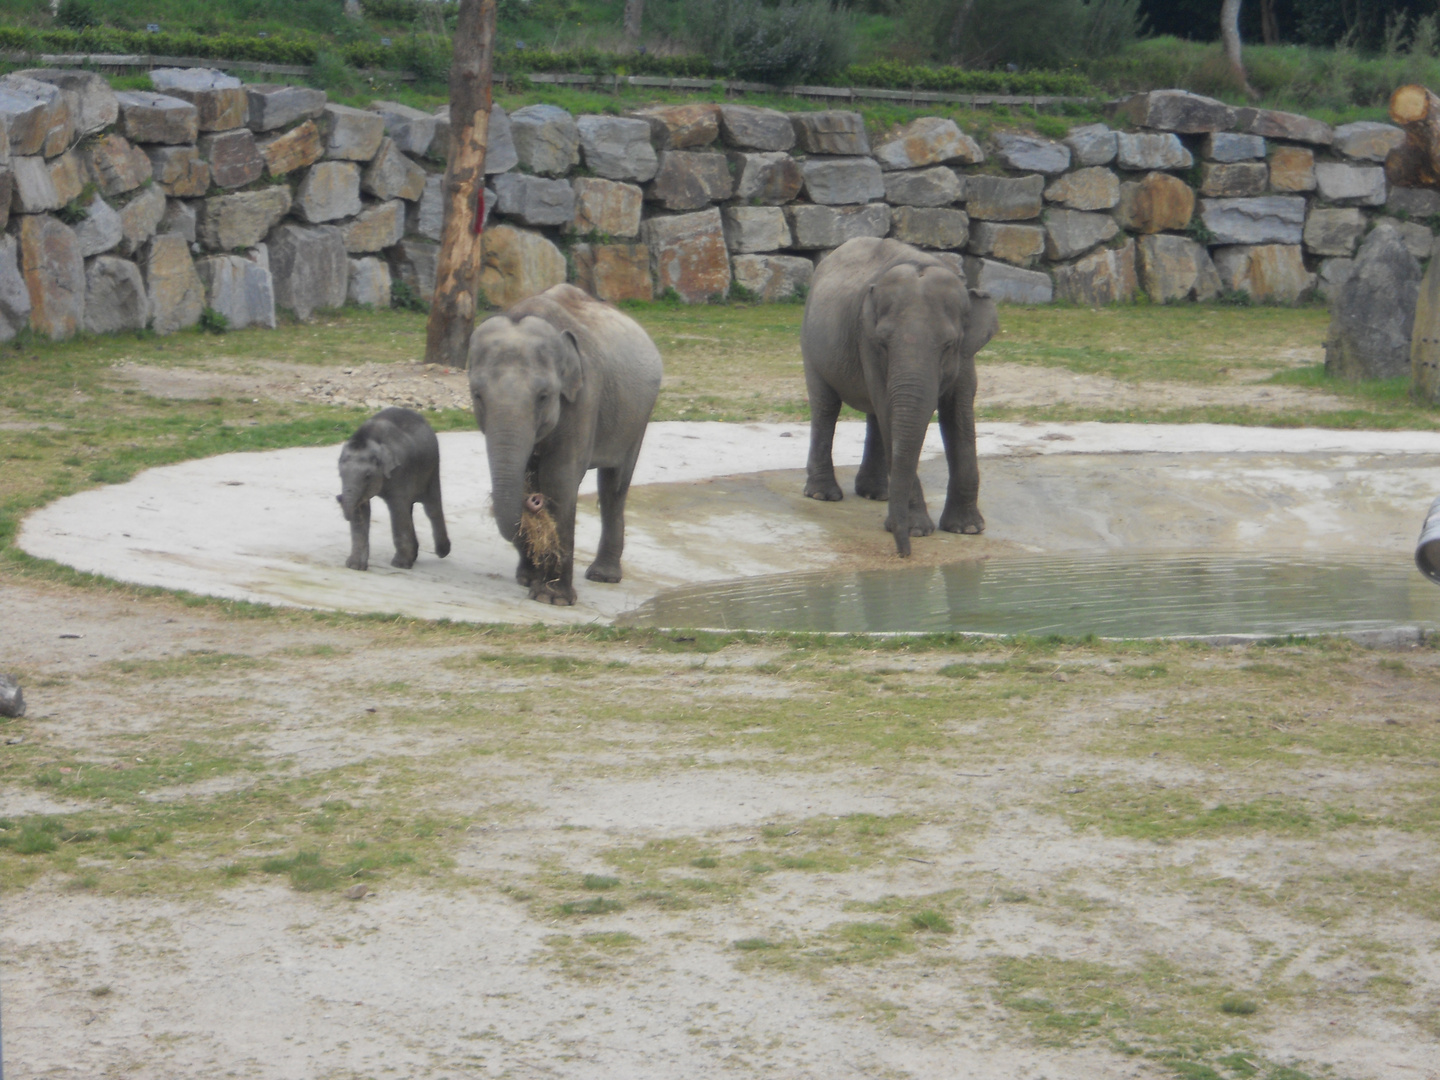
pixel 396 456
pixel 893 332
pixel 562 384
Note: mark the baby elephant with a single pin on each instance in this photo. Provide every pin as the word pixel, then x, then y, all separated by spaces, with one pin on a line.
pixel 396 456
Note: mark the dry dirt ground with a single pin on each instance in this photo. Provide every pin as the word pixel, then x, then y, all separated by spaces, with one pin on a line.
pixel 292 845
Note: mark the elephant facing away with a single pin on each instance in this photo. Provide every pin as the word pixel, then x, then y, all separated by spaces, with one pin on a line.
pixel 560 384
pixel 893 332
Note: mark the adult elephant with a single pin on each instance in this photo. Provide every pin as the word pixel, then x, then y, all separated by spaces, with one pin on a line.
pixel 560 384
pixel 893 332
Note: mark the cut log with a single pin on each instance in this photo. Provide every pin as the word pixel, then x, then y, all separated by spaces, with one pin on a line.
pixel 457 271
pixel 1416 161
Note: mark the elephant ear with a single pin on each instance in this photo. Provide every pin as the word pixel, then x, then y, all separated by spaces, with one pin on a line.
pixel 385 454
pixel 981 324
pixel 572 374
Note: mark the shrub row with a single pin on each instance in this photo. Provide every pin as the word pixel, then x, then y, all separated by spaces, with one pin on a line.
pixel 101 39
pixel 893 75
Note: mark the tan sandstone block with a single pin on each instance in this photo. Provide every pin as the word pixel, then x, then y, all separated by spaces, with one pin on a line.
pixel 613 272
pixel 516 264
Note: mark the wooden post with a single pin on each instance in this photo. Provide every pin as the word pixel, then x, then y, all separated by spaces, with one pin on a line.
pixel 457 273
pixel 1416 161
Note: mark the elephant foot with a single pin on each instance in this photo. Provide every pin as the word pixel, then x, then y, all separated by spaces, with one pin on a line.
pixel 607 572
pixel 403 562
pixel 355 562
pixel 552 592
pixel 825 490
pixel 920 525
pixel 963 521
pixel 442 548
pixel 524 573
pixel 869 487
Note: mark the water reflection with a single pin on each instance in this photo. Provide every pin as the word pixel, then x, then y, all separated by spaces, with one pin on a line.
pixel 1113 596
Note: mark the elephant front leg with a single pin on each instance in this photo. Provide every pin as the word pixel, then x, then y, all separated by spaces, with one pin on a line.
pixel 558 588
pixel 957 429
pixel 402 529
pixel 820 482
pixel 360 538
pixel 873 479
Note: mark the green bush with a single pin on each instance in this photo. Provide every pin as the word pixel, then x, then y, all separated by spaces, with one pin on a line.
pixel 892 75
pixel 792 41
pixel 77 14
pixel 1026 33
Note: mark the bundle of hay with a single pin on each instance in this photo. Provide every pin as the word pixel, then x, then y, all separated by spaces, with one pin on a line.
pixel 539 537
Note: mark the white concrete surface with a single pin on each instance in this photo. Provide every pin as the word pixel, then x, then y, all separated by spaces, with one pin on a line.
pixel 265 527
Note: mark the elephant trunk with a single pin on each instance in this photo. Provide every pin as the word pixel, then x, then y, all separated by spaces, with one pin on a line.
pixel 912 402
pixel 509 454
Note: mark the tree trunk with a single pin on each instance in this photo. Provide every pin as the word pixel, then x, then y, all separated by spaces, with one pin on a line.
pixel 1416 161
pixel 957 28
pixel 634 15
pixel 457 273
pixel 1230 36
pixel 1269 24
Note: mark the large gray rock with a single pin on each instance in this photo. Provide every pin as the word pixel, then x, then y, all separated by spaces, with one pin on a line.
pixel 392 175
pixel 1175 268
pixel 1069 233
pixel 116 166
pixel 1372 316
pixel 746 127
pixel 180 215
pixel 68 175
pixel 1366 140
pixel 272 107
pixel 835 131
pixel 413 130
pixel 1268 273
pixel 376 228
pixel 1143 152
pixel 92 103
pixel 1093 188
pixel 1292 127
pixel 818 227
pixel 1234 180
pixel 234 158
pixel 140 218
pixel 1419 240
pixel 14 296
pixel 350 134
pixel 547 139
pixel 937 186
pixel 1360 184
pixel 309 268
pixel 1413 202
pixel 7 192
pixel 228 222
pixel 219 99
pixel 687 254
pixel 500 154
pixel 115 296
pixel 931 140
pixel 100 231
pixel 618 147
pixel 1093 144
pixel 750 229
pixel 37 115
pixel 1176 110
pixel 1332 277
pixel 1228 147
pixel 1019 245
pixel 177 298
pixel 1272 219
pixel 691 180
pixel 427 216
pixel 34 191
pixel 1009 283
pixel 930 226
pixel 54 274
pixel 157 118
pixel 534 199
pixel 681 127
pixel 773 277
pixel 330 191
pixel 369 283
pixel 1000 198
pixel 843 181
pixel 607 207
pixel 769 178
pixel 1105 277
pixel 180 170
pixel 1331 231
pixel 1030 153
pixel 413 261
pixel 240 288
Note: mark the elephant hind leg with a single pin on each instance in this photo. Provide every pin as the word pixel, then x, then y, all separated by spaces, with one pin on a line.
pixel 614 484
pixel 435 511
pixel 873 479
pixel 820 482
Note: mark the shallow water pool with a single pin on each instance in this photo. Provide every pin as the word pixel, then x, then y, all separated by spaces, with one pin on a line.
pixel 1120 595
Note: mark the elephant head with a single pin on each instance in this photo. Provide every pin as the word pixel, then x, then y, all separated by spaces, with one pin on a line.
pixel 365 465
pixel 523 372
pixel 921 327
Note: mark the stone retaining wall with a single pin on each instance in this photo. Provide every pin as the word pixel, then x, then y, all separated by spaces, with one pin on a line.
pixel 135 209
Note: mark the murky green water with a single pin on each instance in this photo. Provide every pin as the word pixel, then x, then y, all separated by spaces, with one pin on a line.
pixel 1109 595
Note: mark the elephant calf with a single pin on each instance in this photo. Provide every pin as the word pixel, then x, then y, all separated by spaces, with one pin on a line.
pixel 893 332
pixel 561 384
pixel 396 456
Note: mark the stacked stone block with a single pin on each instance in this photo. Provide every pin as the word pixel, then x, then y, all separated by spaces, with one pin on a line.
pixel 140 208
